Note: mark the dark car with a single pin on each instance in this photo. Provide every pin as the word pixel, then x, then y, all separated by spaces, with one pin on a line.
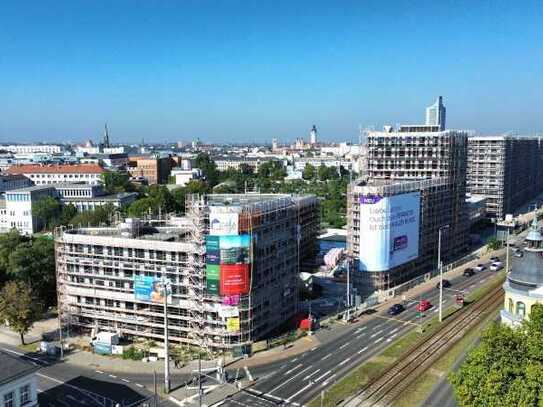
pixel 395 309
pixel 494 259
pixel 468 272
pixel 446 284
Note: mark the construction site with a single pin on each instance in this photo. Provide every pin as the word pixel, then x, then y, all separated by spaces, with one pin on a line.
pixel 227 270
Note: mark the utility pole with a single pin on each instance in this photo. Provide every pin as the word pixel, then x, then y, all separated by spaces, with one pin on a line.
pixel 440 265
pixel 200 380
pixel 154 386
pixel 165 286
pixel 348 289
pixel 507 253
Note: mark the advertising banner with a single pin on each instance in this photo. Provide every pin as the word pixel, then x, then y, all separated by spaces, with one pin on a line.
pixel 213 275
pixel 102 348
pixel 148 288
pixel 231 300
pixel 232 325
pixel 234 279
pixel 223 223
pixel 228 312
pixel 234 249
pixel 389 230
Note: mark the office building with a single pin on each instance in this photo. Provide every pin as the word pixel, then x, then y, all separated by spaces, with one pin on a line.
pixel 42 174
pixel 313 135
pixel 524 285
pixel 232 263
pixel 436 114
pixel 155 170
pixel 423 172
pixel 507 170
pixel 33 148
pixel 9 182
pixel 17 382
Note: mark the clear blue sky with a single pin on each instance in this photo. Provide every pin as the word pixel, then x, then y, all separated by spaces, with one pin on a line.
pixel 253 70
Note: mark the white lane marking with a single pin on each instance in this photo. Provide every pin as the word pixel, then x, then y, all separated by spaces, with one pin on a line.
pixel 289 380
pixel 322 375
pixel 125 380
pixel 50 378
pixel 312 349
pixel 344 345
pixel 293 360
pixel 394 330
pixel 344 361
pixel 294 368
pixel 360 329
pixel 378 340
pixel 377 326
pixel 360 336
pixel 436 310
pixel 325 383
pixel 113 376
pixel 255 393
pixel 139 385
pixel 327 356
pixel 99 371
pixel 298 392
pixel 311 374
pixel 376 333
pixel 362 350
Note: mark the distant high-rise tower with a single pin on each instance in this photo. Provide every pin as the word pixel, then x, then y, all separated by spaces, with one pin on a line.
pixel 274 144
pixel 313 135
pixel 435 114
pixel 105 140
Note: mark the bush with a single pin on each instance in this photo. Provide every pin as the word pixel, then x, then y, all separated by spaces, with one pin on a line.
pixel 133 354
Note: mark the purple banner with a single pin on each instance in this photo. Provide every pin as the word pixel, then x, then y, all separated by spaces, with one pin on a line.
pixel 370 199
pixel 230 300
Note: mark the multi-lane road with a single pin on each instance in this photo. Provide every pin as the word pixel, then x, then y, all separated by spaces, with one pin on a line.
pixel 297 380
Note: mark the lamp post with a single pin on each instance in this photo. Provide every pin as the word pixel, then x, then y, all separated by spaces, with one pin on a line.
pixel 440 265
pixel 166 286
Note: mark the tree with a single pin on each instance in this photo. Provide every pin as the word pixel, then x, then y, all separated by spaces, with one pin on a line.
pixel 208 167
pixel 67 214
pixel 18 307
pixel 47 210
pixel 8 243
pixel 493 243
pixel 100 215
pixel 309 172
pixel 115 182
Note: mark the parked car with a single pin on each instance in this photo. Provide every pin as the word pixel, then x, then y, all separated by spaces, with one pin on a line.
pixel 479 267
pixel 446 284
pixel 424 305
pixel 518 253
pixel 395 309
pixel 468 272
pixel 497 265
pixel 494 259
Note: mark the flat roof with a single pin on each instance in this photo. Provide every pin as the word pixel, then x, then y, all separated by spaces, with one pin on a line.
pixel 31 188
pixel 14 367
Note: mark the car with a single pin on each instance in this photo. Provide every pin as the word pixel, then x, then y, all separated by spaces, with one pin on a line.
pixel 494 259
pixel 446 284
pixel 496 266
pixel 424 305
pixel 468 272
pixel 518 253
pixel 395 309
pixel 479 267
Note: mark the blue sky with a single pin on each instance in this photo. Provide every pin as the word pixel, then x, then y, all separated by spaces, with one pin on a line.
pixel 253 70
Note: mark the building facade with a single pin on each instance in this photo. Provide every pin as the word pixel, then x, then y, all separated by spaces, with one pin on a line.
pixel 17 382
pixel 33 148
pixel 9 182
pixel 41 174
pixel 232 263
pixel 436 114
pixel 507 170
pixel 155 170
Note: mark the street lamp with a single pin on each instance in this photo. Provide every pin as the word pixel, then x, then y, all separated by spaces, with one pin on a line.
pixel 440 265
pixel 166 286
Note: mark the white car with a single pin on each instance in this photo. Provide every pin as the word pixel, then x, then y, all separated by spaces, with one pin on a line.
pixel 497 265
pixel 479 267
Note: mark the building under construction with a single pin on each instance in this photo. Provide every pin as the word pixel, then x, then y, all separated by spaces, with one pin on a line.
pixel 507 170
pixel 414 184
pixel 228 270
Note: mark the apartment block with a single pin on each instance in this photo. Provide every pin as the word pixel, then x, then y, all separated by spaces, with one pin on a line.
pixel 155 170
pixel 228 271
pixel 507 170
pixel 44 174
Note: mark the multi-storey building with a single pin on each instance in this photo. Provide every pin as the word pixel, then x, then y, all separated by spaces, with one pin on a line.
pixel 9 182
pixel 155 170
pixel 507 170
pixel 232 264
pixel 33 148
pixel 401 162
pixel 41 174
pixel 436 114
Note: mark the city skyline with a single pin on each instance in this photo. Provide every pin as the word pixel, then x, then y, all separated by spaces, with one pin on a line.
pixel 252 72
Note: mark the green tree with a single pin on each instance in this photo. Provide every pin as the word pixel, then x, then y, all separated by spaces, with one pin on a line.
pixel 115 181
pixel 47 210
pixel 8 243
pixel 493 243
pixel 208 167
pixel 67 214
pixel 19 308
pixel 100 215
pixel 309 172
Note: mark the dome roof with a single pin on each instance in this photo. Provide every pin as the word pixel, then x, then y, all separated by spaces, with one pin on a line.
pixel 534 235
pixel 527 271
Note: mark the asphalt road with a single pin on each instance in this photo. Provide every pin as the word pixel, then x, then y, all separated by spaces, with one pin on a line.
pixel 297 380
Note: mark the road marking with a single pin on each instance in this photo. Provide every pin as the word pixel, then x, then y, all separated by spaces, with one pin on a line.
pixel 298 392
pixel 139 385
pixel 113 376
pixel 344 345
pixel 360 329
pixel 394 330
pixel 327 356
pixel 362 350
pixel 311 374
pixel 125 380
pixel 344 361
pixel 360 336
pixel 312 349
pixel 325 383
pixel 293 360
pixel 379 340
pixel 289 380
pixel 322 375
pixel 436 310
pixel 99 371
pixel 294 368
pixel 256 393
pixel 376 333
pixel 50 378
pixel 377 326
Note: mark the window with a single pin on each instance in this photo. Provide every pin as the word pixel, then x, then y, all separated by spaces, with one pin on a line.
pixel 24 394
pixel 511 306
pixel 521 309
pixel 8 400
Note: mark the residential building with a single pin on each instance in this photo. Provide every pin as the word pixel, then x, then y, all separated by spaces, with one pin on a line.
pixel 436 114
pixel 155 170
pixel 476 208
pixel 9 182
pixel 41 174
pixel 524 285
pixel 17 382
pixel 400 163
pixel 183 177
pixel 232 262
pixel 507 170
pixel 87 197
pixel 224 163
pixel 33 148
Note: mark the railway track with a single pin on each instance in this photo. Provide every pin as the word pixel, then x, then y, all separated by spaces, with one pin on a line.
pixel 389 385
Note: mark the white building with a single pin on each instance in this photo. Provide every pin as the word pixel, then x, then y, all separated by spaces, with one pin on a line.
pixel 313 135
pixel 54 174
pixel 9 182
pixel 436 114
pixel 17 382
pixel 184 176
pixel 33 148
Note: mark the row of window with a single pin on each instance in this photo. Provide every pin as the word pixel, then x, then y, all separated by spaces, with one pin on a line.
pixel 24 396
pixel 520 308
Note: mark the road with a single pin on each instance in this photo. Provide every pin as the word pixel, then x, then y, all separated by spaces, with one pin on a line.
pixel 297 380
